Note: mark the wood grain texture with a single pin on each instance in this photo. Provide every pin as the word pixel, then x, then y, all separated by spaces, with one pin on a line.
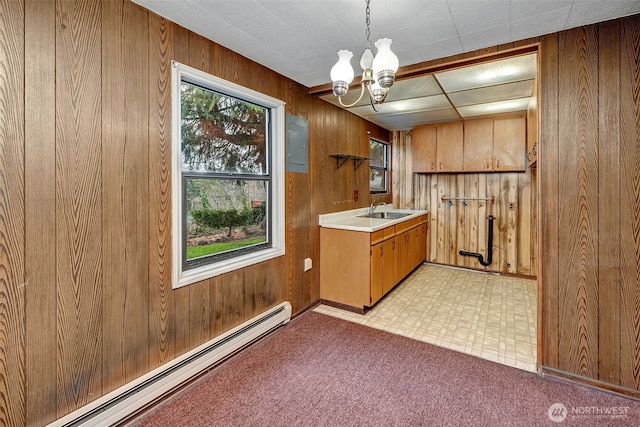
pixel 40 199
pixel 78 203
pixel 578 213
pixel 630 202
pixel 12 211
pixel 125 200
pixel 180 312
pixel 455 226
pixel 609 175
pixel 199 308
pixel 161 297
pixel 548 167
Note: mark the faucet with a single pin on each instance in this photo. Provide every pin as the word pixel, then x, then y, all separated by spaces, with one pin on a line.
pixel 373 208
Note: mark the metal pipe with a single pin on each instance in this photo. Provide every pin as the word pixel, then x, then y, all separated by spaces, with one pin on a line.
pixel 481 260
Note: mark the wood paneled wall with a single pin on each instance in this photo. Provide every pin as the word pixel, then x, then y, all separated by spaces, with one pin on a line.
pixel 589 173
pixel 86 303
pixel 454 226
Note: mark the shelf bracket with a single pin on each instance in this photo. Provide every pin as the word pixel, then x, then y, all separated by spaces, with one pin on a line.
pixel 341 159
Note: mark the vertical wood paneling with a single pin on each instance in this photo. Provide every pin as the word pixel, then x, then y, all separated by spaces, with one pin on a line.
pixel 609 194
pixel 161 297
pixel 40 196
pixel 548 165
pixel 578 213
pixel 181 297
pixel 456 226
pixel 78 203
pixel 124 193
pixel 199 307
pixel 630 202
pixel 12 210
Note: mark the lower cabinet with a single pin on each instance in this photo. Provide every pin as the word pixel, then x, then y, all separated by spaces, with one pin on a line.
pixel 358 268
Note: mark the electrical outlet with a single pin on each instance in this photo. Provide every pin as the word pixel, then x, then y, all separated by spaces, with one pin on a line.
pixel 307 264
pixel 355 195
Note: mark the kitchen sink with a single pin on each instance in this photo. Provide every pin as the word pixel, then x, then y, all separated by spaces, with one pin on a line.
pixel 385 215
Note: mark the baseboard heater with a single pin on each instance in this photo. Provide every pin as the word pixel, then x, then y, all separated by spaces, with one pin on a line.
pixel 119 404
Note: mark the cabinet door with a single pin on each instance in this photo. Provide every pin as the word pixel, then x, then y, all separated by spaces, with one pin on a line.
pixel 478 145
pixel 389 265
pixel 377 268
pixel 401 255
pixel 423 146
pixel 450 147
pixel 509 144
pixel 422 247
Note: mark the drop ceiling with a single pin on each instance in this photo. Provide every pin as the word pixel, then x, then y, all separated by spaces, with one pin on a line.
pixel 300 38
pixel 495 87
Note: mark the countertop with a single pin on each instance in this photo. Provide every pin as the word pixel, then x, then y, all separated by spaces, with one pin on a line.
pixel 350 220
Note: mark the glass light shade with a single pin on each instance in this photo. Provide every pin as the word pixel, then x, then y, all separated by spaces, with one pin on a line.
pixel 385 59
pixel 342 71
pixel 377 92
pixel 385 64
pixel 366 60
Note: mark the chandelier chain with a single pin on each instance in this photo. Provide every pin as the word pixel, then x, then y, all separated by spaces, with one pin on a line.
pixel 368 32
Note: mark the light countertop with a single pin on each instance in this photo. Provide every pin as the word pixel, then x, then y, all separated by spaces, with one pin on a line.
pixel 351 220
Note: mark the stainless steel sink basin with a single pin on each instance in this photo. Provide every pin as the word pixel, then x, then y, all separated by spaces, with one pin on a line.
pixel 385 215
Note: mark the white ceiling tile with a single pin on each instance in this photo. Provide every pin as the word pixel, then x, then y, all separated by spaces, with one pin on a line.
pixel 417 12
pixel 522 9
pixel 231 12
pixel 487 15
pixel 440 49
pixel 486 37
pixel 456 6
pixel 302 15
pixel 544 23
pixel 589 12
pixel 430 31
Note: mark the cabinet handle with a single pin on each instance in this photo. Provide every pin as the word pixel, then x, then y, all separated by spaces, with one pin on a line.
pixel 498 163
pixel 433 166
pixel 381 250
pixel 440 165
pixel 394 244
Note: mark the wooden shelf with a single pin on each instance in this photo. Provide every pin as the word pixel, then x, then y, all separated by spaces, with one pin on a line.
pixel 341 159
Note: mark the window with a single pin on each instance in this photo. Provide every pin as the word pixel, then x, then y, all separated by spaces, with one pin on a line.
pixel 227 176
pixel 379 163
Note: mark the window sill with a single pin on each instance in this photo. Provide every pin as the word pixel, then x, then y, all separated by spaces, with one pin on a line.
pixel 205 272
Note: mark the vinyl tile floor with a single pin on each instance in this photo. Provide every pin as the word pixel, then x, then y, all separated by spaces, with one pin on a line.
pixel 482 314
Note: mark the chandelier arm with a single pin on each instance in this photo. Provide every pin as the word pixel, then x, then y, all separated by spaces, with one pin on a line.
pixel 362 91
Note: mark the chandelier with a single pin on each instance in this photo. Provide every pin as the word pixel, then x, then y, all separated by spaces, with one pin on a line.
pixel 378 73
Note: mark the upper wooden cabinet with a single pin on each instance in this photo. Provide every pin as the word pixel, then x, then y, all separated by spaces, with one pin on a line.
pixel 423 144
pixel 486 145
pixel 509 144
pixel 478 145
pixel 437 148
pixel 449 153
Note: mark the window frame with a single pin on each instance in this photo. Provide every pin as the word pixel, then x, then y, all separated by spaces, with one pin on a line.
pixel 385 167
pixel 182 276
